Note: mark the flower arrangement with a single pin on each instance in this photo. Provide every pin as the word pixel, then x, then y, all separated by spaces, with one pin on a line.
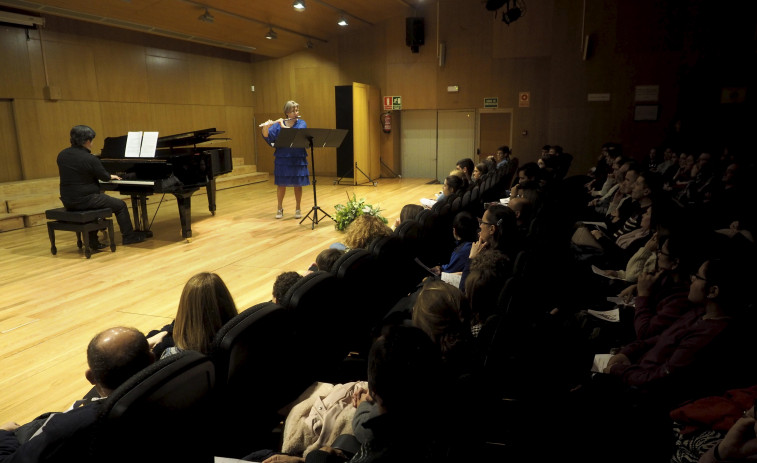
pixel 346 213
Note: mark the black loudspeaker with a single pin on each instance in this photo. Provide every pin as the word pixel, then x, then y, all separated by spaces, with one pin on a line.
pixel 414 33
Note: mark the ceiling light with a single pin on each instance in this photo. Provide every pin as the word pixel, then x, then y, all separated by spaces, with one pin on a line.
pixel 342 21
pixel 298 5
pixel 206 17
pixel 271 35
pixel 309 44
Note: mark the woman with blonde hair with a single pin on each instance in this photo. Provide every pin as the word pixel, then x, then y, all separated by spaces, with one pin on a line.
pixel 205 306
pixel 364 229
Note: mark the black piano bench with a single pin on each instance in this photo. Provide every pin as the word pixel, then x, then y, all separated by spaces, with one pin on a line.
pixel 81 222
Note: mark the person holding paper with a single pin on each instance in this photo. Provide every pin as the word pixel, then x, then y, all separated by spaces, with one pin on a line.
pixel 291 164
pixel 79 187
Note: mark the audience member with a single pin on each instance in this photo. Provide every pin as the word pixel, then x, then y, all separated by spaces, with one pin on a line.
pixel 283 282
pixel 502 156
pixel 362 231
pixel 204 307
pixel 408 212
pixel 466 166
pixel 402 428
pixel 113 356
pixel 465 232
pixel 326 259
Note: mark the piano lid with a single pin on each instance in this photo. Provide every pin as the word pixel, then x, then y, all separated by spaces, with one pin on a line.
pixel 114 147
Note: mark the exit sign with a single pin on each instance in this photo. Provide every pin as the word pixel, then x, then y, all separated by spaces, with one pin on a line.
pixel 491 102
pixel 392 103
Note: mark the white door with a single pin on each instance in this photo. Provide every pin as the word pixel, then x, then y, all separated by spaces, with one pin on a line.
pixel 433 141
pixel 418 144
pixel 456 140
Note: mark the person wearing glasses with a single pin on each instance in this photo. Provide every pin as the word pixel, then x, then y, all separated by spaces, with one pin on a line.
pixel 705 352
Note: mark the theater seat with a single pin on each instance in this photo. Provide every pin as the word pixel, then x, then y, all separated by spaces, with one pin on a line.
pixel 257 373
pixel 160 414
pixel 321 318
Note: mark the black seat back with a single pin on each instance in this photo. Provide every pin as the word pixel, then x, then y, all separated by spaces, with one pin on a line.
pixel 255 358
pixel 175 394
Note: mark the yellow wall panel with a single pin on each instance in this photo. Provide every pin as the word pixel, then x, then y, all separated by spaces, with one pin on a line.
pixel 205 80
pixel 15 79
pixel 71 68
pixel 120 118
pixel 240 128
pixel 121 72
pixel 10 168
pixel 168 79
pixel 43 131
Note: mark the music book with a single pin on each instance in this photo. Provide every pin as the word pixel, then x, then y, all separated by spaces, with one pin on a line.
pixel 141 144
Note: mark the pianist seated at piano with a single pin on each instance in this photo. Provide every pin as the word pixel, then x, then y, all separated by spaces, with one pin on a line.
pixel 80 176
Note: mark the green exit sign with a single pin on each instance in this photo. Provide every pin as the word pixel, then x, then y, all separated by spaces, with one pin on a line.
pixel 491 102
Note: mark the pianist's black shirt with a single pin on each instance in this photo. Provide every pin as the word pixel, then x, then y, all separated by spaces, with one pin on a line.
pixel 79 173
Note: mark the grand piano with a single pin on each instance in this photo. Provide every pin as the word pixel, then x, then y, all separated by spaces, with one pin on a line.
pixel 179 167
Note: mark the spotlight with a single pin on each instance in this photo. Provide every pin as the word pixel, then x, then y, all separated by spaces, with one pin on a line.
pixel 511 15
pixel 271 35
pixel 309 44
pixel 298 5
pixel 342 21
pixel 206 17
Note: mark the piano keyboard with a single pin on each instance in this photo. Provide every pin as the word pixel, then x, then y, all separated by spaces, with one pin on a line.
pixel 131 182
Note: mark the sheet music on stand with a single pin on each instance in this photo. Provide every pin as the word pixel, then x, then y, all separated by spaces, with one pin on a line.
pixel 141 144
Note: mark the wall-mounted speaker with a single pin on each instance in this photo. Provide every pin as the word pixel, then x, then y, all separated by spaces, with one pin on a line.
pixel 414 33
pixel 442 54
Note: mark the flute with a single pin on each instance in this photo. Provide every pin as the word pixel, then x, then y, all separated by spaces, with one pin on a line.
pixel 279 120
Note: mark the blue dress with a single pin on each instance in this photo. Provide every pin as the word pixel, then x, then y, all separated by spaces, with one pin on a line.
pixel 290 164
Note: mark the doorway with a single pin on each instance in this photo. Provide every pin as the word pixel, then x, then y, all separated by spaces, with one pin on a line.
pixel 495 130
pixel 433 141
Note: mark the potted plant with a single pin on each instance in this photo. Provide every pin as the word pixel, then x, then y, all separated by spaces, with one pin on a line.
pixel 346 213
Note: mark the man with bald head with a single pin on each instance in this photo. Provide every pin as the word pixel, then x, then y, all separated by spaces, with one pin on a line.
pixel 113 356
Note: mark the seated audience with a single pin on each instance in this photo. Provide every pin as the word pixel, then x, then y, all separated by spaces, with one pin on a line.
pixel 399 427
pixel 409 211
pixel 362 231
pixel 113 356
pixel 502 156
pixel 204 307
pixel 281 285
pixel 326 259
pixel 465 232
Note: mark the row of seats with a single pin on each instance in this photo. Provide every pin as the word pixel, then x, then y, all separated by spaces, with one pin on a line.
pixel 228 403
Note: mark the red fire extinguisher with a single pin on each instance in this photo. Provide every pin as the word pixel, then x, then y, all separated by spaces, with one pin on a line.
pixel 386 121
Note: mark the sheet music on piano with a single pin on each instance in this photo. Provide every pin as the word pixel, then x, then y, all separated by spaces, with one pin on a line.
pixel 133 144
pixel 141 144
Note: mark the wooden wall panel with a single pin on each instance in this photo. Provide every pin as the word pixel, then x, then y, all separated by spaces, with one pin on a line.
pixel 532 34
pixel 242 131
pixel 237 79
pixel 15 78
pixel 171 119
pixel 120 118
pixel 10 168
pixel 71 68
pixel 316 99
pixel 121 72
pixel 168 79
pixel 43 131
pixel 205 117
pixel 205 80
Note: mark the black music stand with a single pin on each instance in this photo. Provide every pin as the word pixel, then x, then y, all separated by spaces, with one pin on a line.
pixel 310 138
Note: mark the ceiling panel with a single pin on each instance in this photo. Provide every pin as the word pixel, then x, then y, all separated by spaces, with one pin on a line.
pixel 236 24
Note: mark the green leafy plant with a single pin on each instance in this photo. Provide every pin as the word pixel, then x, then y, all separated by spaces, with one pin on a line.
pixel 346 213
